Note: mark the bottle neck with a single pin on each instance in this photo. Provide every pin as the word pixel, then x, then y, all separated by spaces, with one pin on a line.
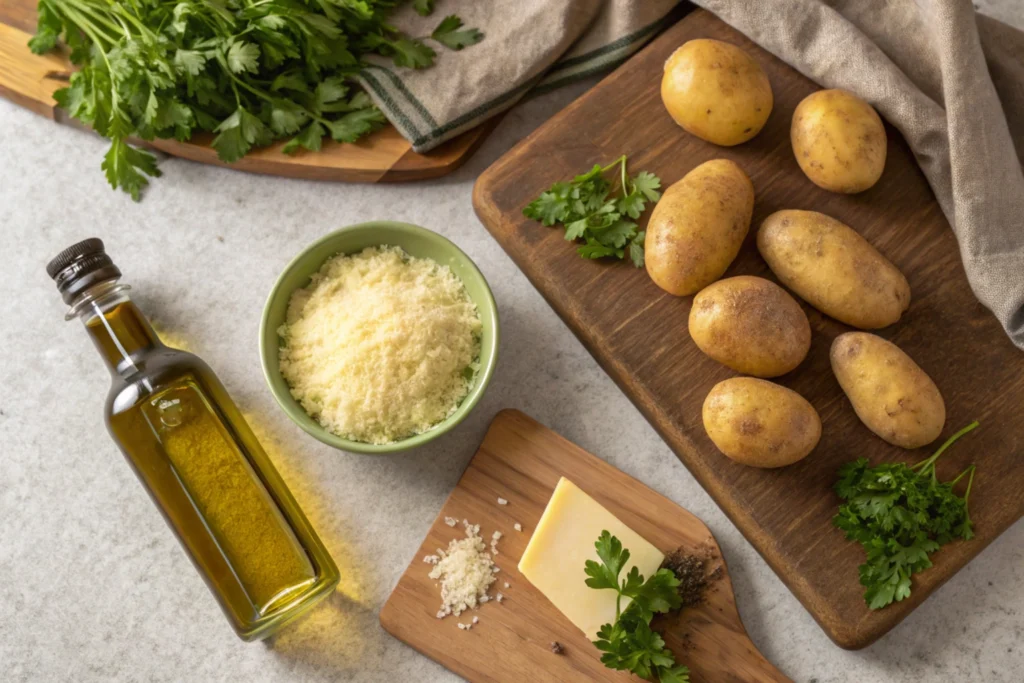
pixel 119 330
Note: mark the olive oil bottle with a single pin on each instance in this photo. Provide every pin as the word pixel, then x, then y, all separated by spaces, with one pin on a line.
pixel 192 449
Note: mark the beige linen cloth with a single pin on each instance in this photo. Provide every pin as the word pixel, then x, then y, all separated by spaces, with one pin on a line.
pixel 951 81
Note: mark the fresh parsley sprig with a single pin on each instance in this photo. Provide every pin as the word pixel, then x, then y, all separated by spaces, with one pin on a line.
pixel 250 72
pixel 629 644
pixel 900 514
pixel 592 214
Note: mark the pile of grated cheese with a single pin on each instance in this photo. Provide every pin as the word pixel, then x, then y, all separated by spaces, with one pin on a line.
pixel 466 572
pixel 380 345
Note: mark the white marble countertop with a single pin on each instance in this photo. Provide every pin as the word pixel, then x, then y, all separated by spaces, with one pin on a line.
pixel 94 587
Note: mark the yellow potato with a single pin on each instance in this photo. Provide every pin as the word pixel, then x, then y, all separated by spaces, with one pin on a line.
pixel 750 325
pixel 716 91
pixel 889 392
pixel 759 423
pixel 833 268
pixel 839 141
pixel 697 228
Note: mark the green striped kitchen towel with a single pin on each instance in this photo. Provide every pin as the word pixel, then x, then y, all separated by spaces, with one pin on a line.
pixel 528 44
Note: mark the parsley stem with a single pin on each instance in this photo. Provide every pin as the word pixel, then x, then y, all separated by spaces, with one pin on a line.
pixel 95 15
pixel 620 160
pixel 929 463
pixel 91 31
pixel 235 79
pixel 970 480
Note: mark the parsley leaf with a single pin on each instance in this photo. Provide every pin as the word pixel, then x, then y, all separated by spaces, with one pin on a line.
pixel 355 124
pixel 411 53
pixel 310 138
pixel 243 57
pixel 286 117
pixel 629 644
pixel 591 213
pixel 124 167
pixel 238 133
pixel 423 7
pixel 900 514
pixel 647 184
pixel 448 34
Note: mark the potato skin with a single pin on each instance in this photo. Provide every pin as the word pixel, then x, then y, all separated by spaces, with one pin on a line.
pixel 759 423
pixel 716 91
pixel 839 141
pixel 697 227
pixel 750 325
pixel 891 395
pixel 831 267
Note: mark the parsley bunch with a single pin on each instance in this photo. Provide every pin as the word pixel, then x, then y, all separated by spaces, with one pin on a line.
pixel 900 514
pixel 591 213
pixel 251 71
pixel 629 644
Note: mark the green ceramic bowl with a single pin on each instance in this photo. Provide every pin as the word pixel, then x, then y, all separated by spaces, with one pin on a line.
pixel 416 241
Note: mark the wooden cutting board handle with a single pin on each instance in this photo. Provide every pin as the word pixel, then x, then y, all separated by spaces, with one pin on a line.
pixel 521 461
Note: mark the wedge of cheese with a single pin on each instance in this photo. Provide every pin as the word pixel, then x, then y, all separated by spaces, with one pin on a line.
pixel 562 544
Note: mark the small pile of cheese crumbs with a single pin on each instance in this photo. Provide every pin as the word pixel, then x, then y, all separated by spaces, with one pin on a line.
pixel 466 573
pixel 379 345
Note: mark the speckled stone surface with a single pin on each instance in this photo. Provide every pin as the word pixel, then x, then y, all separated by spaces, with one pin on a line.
pixel 93 586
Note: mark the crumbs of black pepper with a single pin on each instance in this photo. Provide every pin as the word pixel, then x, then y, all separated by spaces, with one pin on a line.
pixel 689 569
pixel 556 647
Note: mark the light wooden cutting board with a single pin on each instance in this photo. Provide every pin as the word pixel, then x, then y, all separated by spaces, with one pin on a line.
pixel 384 156
pixel 638 333
pixel 521 461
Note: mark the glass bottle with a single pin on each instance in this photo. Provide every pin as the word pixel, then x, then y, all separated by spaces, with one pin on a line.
pixel 202 465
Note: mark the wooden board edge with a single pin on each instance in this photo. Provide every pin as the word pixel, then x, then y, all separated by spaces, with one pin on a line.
pixel 456 152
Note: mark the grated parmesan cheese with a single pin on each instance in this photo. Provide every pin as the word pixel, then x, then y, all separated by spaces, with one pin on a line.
pixel 378 345
pixel 465 572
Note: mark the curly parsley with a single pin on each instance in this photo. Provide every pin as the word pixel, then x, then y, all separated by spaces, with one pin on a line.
pixel 900 514
pixel 629 644
pixel 590 213
pixel 250 72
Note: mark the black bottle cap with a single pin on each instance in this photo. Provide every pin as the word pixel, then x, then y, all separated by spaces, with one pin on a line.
pixel 81 266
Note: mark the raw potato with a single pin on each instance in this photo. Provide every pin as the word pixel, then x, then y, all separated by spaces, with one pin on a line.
pixel 889 392
pixel 750 325
pixel 716 91
pixel 759 423
pixel 833 268
pixel 839 141
pixel 697 228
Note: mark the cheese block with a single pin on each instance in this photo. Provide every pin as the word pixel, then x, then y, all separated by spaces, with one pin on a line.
pixel 560 547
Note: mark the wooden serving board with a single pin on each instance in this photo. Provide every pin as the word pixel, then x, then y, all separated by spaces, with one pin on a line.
pixel 638 333
pixel 384 156
pixel 521 461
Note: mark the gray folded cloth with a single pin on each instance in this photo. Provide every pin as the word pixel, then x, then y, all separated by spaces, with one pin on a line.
pixel 950 81
pixel 528 44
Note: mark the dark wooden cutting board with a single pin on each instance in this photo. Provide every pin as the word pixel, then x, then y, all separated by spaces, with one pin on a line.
pixel 638 333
